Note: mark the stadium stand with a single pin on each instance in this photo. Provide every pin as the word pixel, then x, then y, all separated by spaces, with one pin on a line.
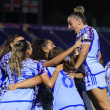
pixel 62 39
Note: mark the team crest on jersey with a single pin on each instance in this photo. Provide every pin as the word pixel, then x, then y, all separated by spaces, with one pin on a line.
pixel 84 36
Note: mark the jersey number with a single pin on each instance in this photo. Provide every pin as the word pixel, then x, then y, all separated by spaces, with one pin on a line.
pixel 64 78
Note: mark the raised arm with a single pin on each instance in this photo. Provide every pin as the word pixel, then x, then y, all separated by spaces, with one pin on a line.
pixel 31 82
pixel 49 82
pixel 60 57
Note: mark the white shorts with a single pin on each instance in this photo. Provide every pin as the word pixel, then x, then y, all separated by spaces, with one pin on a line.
pixel 95 81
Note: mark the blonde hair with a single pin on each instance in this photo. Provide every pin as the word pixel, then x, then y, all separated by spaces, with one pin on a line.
pixel 79 9
pixel 78 14
pixel 18 54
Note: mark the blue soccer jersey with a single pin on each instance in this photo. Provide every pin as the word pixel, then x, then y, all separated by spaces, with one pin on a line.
pixel 4 82
pixel 91 64
pixel 31 68
pixel 3 64
pixel 65 93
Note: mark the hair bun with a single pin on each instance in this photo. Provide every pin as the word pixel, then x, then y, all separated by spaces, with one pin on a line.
pixel 79 9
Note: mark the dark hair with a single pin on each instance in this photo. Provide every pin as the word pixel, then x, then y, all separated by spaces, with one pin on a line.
pixel 54 52
pixel 38 52
pixel 18 54
pixel 5 48
pixel 76 56
pixel 68 65
pixel 78 14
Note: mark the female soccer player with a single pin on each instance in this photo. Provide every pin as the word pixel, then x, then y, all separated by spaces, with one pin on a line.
pixel 65 95
pixel 20 68
pixel 88 58
pixel 41 48
pixel 5 52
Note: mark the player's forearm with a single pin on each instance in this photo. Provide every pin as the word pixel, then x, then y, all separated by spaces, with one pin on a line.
pixel 59 58
pixel 49 82
pixel 79 75
pixel 31 82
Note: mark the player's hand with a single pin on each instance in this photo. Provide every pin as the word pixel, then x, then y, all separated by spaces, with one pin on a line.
pixel 59 67
pixel 71 74
pixel 12 87
pixel 78 43
pixel 76 52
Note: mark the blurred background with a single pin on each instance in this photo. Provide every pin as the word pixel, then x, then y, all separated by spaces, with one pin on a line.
pixel 48 19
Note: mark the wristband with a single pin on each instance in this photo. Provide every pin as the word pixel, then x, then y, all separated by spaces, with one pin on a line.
pixel 75 70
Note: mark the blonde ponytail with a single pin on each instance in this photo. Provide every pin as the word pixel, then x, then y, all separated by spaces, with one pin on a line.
pixel 18 54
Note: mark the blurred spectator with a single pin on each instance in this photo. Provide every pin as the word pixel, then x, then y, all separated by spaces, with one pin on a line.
pixel 1 26
pixel 25 27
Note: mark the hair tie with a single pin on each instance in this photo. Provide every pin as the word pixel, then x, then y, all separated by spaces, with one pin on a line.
pixel 67 58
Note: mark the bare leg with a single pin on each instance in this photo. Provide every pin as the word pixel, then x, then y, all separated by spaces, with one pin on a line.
pixel 94 101
pixel 102 98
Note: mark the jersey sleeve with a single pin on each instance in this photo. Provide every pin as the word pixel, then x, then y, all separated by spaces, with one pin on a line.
pixel 4 61
pixel 3 64
pixel 42 68
pixel 2 75
pixel 87 37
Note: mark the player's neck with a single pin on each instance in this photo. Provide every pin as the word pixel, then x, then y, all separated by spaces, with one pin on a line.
pixel 80 28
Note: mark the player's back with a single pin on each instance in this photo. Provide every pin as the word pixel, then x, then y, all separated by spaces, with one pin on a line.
pixel 65 93
pixel 22 94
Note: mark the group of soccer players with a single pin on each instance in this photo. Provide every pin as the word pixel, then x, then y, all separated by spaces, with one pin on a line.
pixel 27 71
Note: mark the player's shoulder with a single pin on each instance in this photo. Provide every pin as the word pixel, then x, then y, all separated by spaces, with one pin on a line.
pixel 6 56
pixel 108 63
pixel 51 69
pixel 30 63
pixel 88 29
pixel 35 63
pixel 88 32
